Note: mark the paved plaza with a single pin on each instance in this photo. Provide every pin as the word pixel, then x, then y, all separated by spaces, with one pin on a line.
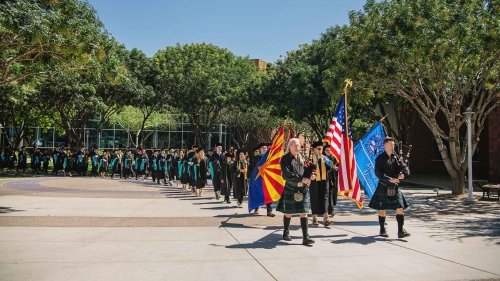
pixel 101 229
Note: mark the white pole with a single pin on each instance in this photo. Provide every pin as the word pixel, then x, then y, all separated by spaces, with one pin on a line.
pixel 468 113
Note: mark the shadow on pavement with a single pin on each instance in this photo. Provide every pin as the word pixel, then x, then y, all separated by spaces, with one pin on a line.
pixel 6 210
pixel 455 219
pixel 225 207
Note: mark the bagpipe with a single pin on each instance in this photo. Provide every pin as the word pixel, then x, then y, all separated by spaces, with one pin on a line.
pixel 403 159
pixel 309 166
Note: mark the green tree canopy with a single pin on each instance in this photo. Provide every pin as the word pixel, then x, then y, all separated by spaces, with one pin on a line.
pixel 202 79
pixel 441 56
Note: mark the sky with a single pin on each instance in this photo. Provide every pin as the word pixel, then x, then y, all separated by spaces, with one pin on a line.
pixel 264 29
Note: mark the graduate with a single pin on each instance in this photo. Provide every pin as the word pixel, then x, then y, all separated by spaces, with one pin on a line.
pixel 116 160
pixel 319 186
pixel 332 182
pixel 215 164
pixel 68 162
pixel 141 164
pixel 22 160
pixel 154 164
pixel 128 161
pixel 200 172
pixel 241 167
pixel 103 163
pixel 12 159
pixel 3 159
pixel 182 169
pixel 227 176
pixel 45 161
pixel 94 158
pixel 191 158
pixel 162 167
pixel 171 167
pixel 80 161
pixel 57 160
pixel 36 161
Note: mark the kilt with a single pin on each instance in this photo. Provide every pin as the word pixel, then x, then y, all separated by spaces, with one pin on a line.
pixel 380 200
pixel 288 205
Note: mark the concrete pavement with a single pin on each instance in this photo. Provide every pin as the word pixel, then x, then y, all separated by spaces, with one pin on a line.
pixel 102 229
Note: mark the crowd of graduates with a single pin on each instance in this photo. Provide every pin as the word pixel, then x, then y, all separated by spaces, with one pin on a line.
pixel 227 170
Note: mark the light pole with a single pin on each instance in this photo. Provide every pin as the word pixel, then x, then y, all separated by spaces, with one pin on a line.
pixel 87 139
pixel 468 113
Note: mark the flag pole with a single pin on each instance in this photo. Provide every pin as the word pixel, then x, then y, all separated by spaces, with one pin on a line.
pixel 383 118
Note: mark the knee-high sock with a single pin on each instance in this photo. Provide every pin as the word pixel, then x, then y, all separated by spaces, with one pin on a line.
pixel 303 225
pixel 381 222
pixel 401 222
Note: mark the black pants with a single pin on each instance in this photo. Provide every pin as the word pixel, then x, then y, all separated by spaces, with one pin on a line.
pixel 227 191
pixel 94 171
pixel 36 168
pixel 217 181
pixel 268 207
pixel 332 197
pixel 171 173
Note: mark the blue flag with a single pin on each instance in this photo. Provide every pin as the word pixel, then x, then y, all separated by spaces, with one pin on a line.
pixel 366 150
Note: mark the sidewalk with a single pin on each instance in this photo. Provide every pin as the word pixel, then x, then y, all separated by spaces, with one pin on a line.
pixel 100 229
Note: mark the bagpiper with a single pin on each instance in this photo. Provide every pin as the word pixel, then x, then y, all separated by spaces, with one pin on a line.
pixel 390 171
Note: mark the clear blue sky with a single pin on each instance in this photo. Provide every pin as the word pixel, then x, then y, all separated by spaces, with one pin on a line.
pixel 264 29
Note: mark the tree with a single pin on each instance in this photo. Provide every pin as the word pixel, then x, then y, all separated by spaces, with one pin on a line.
pixel 133 121
pixel 72 98
pixel 18 113
pixel 441 56
pixel 148 98
pixel 202 79
pixel 38 37
pixel 312 74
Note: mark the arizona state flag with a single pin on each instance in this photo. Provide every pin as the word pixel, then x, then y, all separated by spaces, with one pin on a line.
pixel 266 181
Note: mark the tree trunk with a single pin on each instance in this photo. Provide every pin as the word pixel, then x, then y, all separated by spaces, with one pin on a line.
pixel 458 183
pixel 197 134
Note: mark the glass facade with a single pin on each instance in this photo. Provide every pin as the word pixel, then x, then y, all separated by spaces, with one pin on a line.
pixel 179 136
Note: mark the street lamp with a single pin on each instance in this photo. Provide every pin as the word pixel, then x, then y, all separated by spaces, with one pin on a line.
pixel 468 113
pixel 87 139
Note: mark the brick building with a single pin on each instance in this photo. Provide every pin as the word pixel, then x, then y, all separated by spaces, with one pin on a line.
pixel 494 146
pixel 486 160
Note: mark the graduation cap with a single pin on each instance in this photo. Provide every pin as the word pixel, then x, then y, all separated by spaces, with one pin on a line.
pixel 317 143
pixel 198 150
pixel 218 144
pixel 228 155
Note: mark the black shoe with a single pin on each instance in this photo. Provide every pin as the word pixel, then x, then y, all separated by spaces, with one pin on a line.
pixel 403 234
pixel 269 214
pixel 286 236
pixel 383 233
pixel 307 241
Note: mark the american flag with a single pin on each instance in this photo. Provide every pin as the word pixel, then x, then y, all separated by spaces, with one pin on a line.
pixel 342 147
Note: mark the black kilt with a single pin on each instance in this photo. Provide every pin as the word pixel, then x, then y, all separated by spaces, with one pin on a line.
pixel 288 205
pixel 380 200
